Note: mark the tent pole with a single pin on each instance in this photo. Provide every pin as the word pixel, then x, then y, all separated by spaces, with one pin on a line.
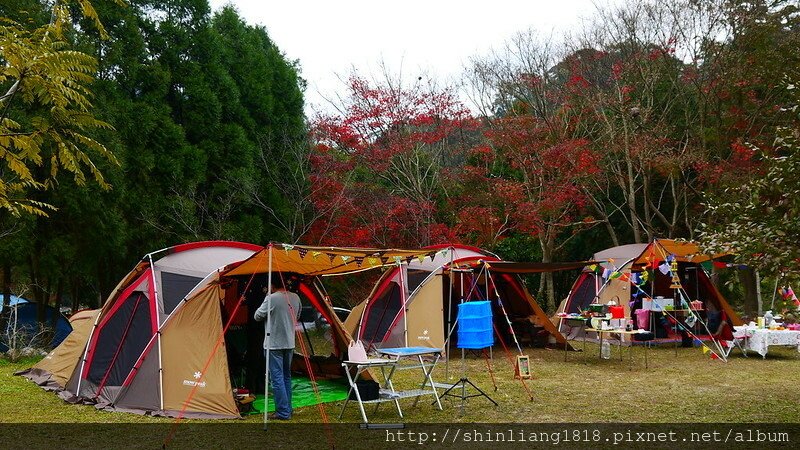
pixel 403 300
pixel 775 291
pixel 449 317
pixel 267 338
pixel 489 279
pixel 158 343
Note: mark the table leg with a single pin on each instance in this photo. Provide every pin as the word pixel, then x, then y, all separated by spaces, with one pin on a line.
pixel 352 387
pixel 358 395
pixel 600 352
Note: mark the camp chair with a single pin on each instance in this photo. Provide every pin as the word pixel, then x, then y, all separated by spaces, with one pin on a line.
pixel 731 338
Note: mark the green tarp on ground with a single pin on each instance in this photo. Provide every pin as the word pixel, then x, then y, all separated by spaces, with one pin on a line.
pixel 303 394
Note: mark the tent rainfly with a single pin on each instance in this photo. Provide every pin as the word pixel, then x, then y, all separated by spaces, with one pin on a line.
pixel 615 278
pixel 411 305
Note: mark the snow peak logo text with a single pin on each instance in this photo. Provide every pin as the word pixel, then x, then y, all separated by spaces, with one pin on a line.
pixel 197 376
pixel 424 336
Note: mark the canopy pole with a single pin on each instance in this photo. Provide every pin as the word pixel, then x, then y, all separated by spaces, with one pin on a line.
pixel 775 291
pixel 158 334
pixel 449 316
pixel 403 300
pixel 489 279
pixel 267 338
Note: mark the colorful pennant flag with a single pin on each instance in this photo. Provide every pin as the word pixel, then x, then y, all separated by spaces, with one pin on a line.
pixel 346 258
pixel 706 349
pixel 287 248
pixel 359 261
pixel 302 252
pixel 315 254
pixel 606 273
pixel 664 268
pixel 331 256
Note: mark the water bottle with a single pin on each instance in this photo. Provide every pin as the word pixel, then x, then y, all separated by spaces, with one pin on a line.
pixel 605 350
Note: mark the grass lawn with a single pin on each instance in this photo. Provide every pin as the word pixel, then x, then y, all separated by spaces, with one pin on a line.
pixel 686 388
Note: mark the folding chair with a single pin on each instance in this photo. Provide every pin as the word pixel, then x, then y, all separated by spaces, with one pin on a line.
pixel 737 339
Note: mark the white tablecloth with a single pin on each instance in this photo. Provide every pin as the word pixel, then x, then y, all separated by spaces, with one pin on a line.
pixel 759 340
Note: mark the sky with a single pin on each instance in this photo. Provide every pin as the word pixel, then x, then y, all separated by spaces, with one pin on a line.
pixel 433 38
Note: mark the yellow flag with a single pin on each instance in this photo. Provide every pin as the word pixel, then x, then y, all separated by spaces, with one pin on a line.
pixel 706 349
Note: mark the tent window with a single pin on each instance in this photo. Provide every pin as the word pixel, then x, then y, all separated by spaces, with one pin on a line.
pixel 416 277
pixel 174 288
pixel 381 314
pixel 121 341
pixel 583 294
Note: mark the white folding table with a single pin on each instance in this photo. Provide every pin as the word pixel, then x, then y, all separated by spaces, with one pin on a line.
pixel 392 362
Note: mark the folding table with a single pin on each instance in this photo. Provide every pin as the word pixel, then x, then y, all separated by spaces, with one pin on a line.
pixel 392 362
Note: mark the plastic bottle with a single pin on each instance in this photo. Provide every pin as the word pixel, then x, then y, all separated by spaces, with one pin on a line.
pixel 605 350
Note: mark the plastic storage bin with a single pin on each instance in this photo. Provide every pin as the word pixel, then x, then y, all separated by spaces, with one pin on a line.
pixel 475 325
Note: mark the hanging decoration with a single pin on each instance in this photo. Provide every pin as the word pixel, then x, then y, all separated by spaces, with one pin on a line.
pixel 302 252
pixel 676 281
pixel 287 248
pixel 359 261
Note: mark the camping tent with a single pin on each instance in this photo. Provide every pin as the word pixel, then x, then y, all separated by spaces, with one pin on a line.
pixel 619 279
pixel 23 322
pixel 140 350
pixel 428 289
pixel 158 344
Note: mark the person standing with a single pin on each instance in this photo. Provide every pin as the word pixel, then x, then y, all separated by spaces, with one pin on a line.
pixel 284 308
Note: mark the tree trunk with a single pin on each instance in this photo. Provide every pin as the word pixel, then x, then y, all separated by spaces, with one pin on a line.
pixel 6 296
pixel 748 279
pixel 74 293
pixel 547 243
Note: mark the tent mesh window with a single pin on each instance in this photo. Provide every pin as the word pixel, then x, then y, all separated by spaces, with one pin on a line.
pixel 583 295
pixel 121 341
pixel 381 314
pixel 174 289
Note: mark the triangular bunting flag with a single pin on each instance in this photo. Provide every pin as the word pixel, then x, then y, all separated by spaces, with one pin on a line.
pixel 315 254
pixel 706 349
pixel 421 257
pixel 331 256
pixel 358 261
pixel 287 248
pixel 398 259
pixel 714 356
pixel 346 258
pixel 302 252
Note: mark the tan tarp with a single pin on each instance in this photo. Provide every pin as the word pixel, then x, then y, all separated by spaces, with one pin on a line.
pixel 308 260
pixel 187 343
pixel 60 363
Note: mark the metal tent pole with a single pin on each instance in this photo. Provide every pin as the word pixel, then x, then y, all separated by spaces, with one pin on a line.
pixel 158 337
pixel 267 337
pixel 449 317
pixel 403 300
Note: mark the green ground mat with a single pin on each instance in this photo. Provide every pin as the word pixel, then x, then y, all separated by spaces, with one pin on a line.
pixel 303 394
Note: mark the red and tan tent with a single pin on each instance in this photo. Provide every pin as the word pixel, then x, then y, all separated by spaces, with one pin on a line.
pixel 428 288
pixel 592 287
pixel 157 345
pixel 143 348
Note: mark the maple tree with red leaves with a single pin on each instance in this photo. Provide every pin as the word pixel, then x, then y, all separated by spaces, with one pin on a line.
pixel 392 145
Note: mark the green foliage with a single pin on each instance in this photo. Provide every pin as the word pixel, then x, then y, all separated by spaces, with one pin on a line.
pixel 46 113
pixel 758 220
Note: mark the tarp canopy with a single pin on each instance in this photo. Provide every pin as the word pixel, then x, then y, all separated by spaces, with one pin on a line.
pixel 312 261
pixel 533 267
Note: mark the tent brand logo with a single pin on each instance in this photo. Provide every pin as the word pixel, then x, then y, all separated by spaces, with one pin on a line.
pixel 424 336
pixel 196 376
